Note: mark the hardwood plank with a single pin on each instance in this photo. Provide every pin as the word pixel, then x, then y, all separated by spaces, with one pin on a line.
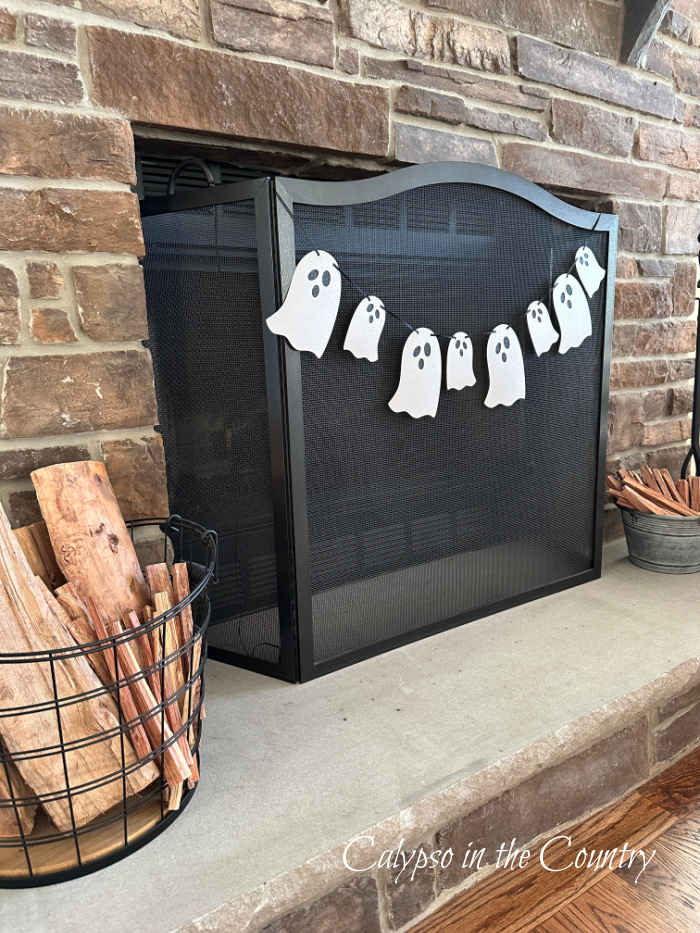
pixel 512 901
pixel 677 789
pixel 607 908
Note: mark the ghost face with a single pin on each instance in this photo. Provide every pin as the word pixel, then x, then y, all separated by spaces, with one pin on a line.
pixel 366 326
pixel 506 369
pixel 459 366
pixel 572 310
pixel 309 311
pixel 588 270
pixel 418 393
pixel 539 324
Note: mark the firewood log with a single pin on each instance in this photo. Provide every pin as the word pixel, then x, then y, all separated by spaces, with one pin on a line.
pixel 26 624
pixel 671 486
pixel 30 551
pixel 79 628
pixel 15 819
pixel 170 644
pixel 91 542
pixel 42 542
pixel 683 488
pixel 694 482
pixel 650 479
pixel 666 503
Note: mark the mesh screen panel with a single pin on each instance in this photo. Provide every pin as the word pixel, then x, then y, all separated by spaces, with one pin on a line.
pixel 412 522
pixel 205 325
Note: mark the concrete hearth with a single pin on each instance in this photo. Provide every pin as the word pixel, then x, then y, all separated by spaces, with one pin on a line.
pixel 403 745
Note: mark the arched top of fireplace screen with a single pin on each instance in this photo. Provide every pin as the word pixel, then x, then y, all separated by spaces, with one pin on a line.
pixel 335 193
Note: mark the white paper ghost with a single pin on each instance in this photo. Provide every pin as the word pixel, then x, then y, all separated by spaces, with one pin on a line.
pixel 573 313
pixel 309 311
pixel 460 362
pixel 539 324
pixel 590 273
pixel 506 368
pixel 366 326
pixel 421 374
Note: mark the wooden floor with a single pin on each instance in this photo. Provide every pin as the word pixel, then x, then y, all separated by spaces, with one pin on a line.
pixel 663 815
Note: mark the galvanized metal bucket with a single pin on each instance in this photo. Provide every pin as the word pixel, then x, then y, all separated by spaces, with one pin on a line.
pixel 661 542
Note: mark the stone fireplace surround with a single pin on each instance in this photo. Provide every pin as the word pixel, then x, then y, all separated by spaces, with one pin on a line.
pixel 339 91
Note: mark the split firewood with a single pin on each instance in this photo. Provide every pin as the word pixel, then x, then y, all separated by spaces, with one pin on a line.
pixel 671 486
pixel 42 541
pixel 30 551
pixel 26 625
pixel 694 483
pixel 683 488
pixel 678 507
pixel 181 587
pixel 158 577
pixel 16 819
pixel 175 767
pixel 649 478
pixel 89 537
pixel 612 482
pixel 129 710
pixel 79 628
pixel 169 641
pixel 661 483
pixel 631 500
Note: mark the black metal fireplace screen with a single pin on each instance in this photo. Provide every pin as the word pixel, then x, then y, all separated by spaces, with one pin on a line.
pixel 346 529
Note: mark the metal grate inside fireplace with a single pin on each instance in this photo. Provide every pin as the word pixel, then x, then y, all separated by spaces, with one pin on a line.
pixel 345 529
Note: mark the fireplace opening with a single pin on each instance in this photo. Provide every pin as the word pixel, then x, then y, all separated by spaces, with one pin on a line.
pixel 346 529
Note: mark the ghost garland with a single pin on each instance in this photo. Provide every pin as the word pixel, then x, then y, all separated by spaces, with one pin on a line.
pixel 308 315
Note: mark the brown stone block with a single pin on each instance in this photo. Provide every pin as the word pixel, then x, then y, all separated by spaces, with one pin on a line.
pixel 424 103
pixel 623 339
pixel 588 127
pixel 665 337
pixel 178 17
pixel 639 225
pixel 667 458
pixel 658 268
pixel 65 145
pixel 659 59
pixel 51 325
pixel 626 267
pixel 111 301
pixel 18 464
pixel 689 8
pixel 691 115
pixel 388 25
pixel 80 392
pixel 682 228
pixel 153 80
pixel 684 283
pixel 66 219
pixel 643 300
pixel 48 33
pixel 689 697
pixel 683 732
pixel 676 25
pixel 30 77
pixel 625 421
pixel 296 31
pixel 592 27
pixel 418 144
pixel 657 403
pixel 680 400
pixel 8 25
pixel 669 146
pixel 680 370
pixel 686 71
pixel 24 508
pixel 638 374
pixel 9 307
pixel 555 796
pixel 137 472
pixel 683 187
pixel 587 75
pixel 582 172
pixel 349 61
pixel 479 87
pixel 666 432
pixel 406 897
pixel 351 908
pixel 45 280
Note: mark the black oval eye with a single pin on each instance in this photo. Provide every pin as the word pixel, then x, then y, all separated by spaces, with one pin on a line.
pixel 562 298
pixel 506 343
pixel 461 352
pixel 421 364
pixel 456 341
pixel 568 304
pixel 315 290
pixel 586 263
pixel 313 274
pixel 427 349
pixel 498 348
pixel 370 308
pixel 569 290
pixel 504 357
pixel 464 344
pixel 580 260
pixel 416 352
pixel 534 313
pixel 326 278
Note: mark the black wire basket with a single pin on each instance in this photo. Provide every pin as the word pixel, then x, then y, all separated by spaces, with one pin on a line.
pixel 36 849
